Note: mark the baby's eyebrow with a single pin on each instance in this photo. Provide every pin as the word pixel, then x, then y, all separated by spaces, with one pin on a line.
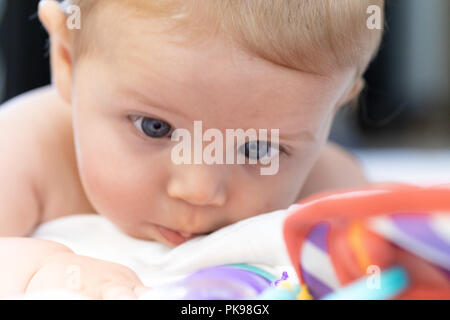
pixel 304 136
pixel 152 102
pixel 301 136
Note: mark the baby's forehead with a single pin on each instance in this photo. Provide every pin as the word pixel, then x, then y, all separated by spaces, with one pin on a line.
pixel 217 70
pixel 213 75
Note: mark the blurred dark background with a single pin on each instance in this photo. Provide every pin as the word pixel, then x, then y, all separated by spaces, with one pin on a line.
pixel 406 102
pixel 24 61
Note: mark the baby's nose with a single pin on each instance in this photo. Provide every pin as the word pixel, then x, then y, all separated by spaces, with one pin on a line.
pixel 199 185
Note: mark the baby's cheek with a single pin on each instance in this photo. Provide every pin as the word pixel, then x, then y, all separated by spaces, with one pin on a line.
pixel 273 193
pixel 110 190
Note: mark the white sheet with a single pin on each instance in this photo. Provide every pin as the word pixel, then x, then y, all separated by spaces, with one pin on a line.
pixel 257 241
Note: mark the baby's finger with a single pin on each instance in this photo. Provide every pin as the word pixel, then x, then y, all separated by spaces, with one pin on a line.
pixel 118 292
pixel 140 290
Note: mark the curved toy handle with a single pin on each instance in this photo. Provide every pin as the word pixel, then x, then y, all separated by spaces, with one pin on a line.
pixel 354 229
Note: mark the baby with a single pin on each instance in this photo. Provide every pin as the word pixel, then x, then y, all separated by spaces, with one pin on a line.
pixel 99 139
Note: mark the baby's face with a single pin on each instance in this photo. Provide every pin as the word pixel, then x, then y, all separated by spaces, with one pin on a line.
pixel 131 95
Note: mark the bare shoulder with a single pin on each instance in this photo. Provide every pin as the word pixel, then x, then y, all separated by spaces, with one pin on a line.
pixel 336 168
pixel 36 133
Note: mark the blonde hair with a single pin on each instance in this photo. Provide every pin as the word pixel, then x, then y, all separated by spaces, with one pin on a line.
pixel 310 35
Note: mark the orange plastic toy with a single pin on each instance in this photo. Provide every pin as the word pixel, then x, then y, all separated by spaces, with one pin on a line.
pixel 335 239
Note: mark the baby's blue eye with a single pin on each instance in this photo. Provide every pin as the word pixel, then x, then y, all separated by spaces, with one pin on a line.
pixel 154 128
pixel 258 149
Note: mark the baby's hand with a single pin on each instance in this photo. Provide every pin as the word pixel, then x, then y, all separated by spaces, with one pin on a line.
pixel 93 278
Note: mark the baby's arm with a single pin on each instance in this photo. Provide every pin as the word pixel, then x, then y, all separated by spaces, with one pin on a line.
pixel 20 259
pixel 19 201
pixel 32 265
pixel 39 179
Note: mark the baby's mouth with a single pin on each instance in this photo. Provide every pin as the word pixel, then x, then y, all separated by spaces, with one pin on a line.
pixel 174 237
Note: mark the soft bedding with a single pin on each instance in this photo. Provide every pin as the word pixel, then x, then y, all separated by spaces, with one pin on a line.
pixel 257 241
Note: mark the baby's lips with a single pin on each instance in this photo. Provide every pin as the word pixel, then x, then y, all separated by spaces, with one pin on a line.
pixel 174 237
pixel 187 235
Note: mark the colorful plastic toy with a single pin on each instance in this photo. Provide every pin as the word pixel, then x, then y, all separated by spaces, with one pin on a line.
pixel 227 282
pixel 334 240
pixel 392 282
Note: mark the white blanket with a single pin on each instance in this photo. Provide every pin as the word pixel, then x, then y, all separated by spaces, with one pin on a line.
pixel 257 241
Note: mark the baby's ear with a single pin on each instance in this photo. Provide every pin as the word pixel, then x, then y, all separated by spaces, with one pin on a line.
pixel 352 93
pixel 54 20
